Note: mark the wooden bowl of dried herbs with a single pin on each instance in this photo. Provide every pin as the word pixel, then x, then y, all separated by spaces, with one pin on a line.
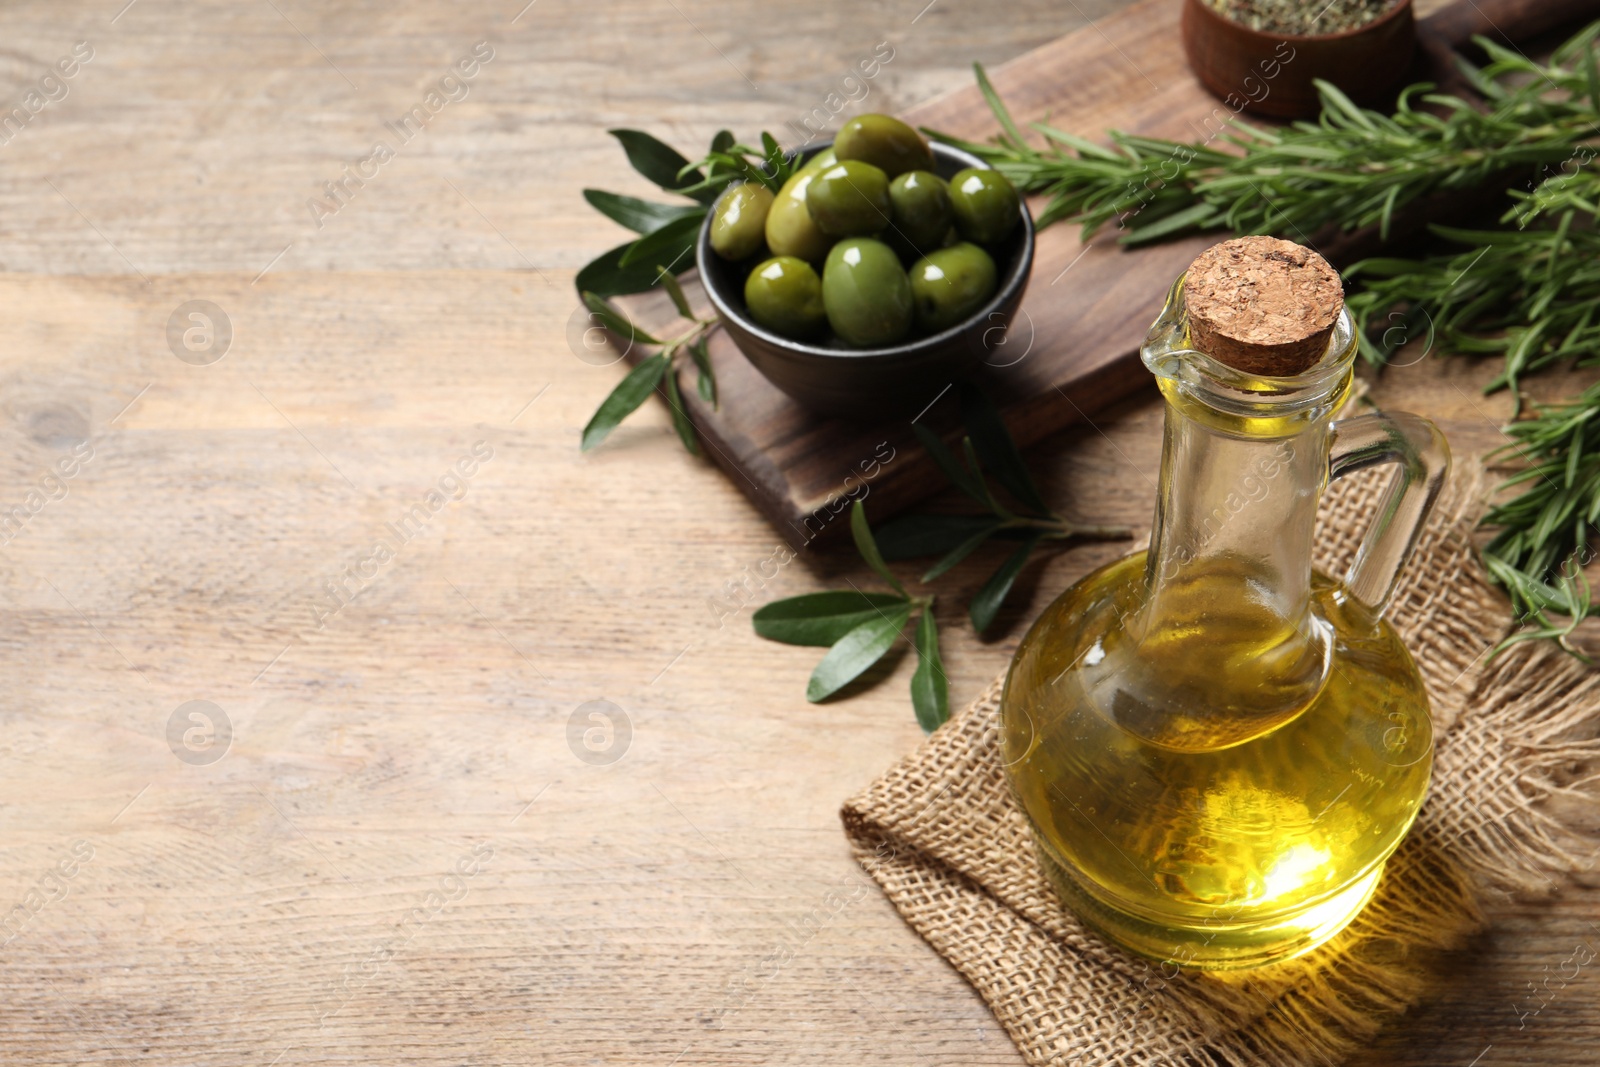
pixel 1264 56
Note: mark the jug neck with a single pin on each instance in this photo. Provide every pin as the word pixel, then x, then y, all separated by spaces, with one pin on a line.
pixel 1239 509
pixel 1226 630
pixel 1244 461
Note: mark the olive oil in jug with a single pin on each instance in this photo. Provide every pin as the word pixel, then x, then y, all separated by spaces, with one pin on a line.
pixel 1218 748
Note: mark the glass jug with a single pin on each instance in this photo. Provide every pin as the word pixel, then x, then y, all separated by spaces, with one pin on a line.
pixel 1216 746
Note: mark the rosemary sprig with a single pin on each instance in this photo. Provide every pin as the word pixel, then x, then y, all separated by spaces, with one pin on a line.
pixel 1529 296
pixel 1541 605
pixel 1351 168
pixel 1532 297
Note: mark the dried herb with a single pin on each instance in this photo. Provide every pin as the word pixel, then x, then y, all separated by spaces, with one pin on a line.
pixel 1297 17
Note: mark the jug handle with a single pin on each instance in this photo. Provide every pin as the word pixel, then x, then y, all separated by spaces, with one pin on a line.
pixel 1422 458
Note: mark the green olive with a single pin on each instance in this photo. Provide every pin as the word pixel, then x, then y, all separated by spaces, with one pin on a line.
pixel 790 231
pixel 739 220
pixel 920 206
pixel 866 293
pixel 849 199
pixel 825 158
pixel 950 284
pixel 784 294
pixel 886 143
pixel 985 204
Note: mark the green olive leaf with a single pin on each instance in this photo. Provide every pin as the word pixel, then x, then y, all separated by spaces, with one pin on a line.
pixel 959 476
pixel 915 536
pixel 616 321
pixel 728 162
pixel 997 451
pixel 869 548
pixel 986 604
pixel 715 182
pixel 706 382
pixel 668 245
pixel 605 276
pixel 988 499
pixel 930 689
pixel 722 140
pixel 728 168
pixel 624 399
pixel 775 166
pixel 856 651
pixel 680 417
pixel 640 216
pixel 658 161
pixel 675 291
pixel 820 618
pixel 962 551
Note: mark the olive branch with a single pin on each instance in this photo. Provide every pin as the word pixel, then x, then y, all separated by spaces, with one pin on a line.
pixel 863 627
pixel 667 234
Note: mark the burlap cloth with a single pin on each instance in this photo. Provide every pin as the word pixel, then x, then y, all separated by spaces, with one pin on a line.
pixel 942 835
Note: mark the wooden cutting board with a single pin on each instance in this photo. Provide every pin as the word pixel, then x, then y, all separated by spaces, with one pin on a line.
pixel 1073 349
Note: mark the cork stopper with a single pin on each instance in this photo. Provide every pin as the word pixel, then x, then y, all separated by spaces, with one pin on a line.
pixel 1262 305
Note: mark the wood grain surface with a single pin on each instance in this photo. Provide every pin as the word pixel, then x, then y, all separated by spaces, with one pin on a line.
pixel 406 852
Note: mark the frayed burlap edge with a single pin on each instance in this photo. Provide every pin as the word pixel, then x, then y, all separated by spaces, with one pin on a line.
pixel 941 834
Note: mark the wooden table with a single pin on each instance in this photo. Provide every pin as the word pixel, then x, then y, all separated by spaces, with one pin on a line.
pixel 406 852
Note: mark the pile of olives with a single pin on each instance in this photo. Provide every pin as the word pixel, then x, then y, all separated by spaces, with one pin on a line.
pixel 900 248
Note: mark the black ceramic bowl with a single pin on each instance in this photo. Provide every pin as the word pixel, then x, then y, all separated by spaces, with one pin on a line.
pixel 835 379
